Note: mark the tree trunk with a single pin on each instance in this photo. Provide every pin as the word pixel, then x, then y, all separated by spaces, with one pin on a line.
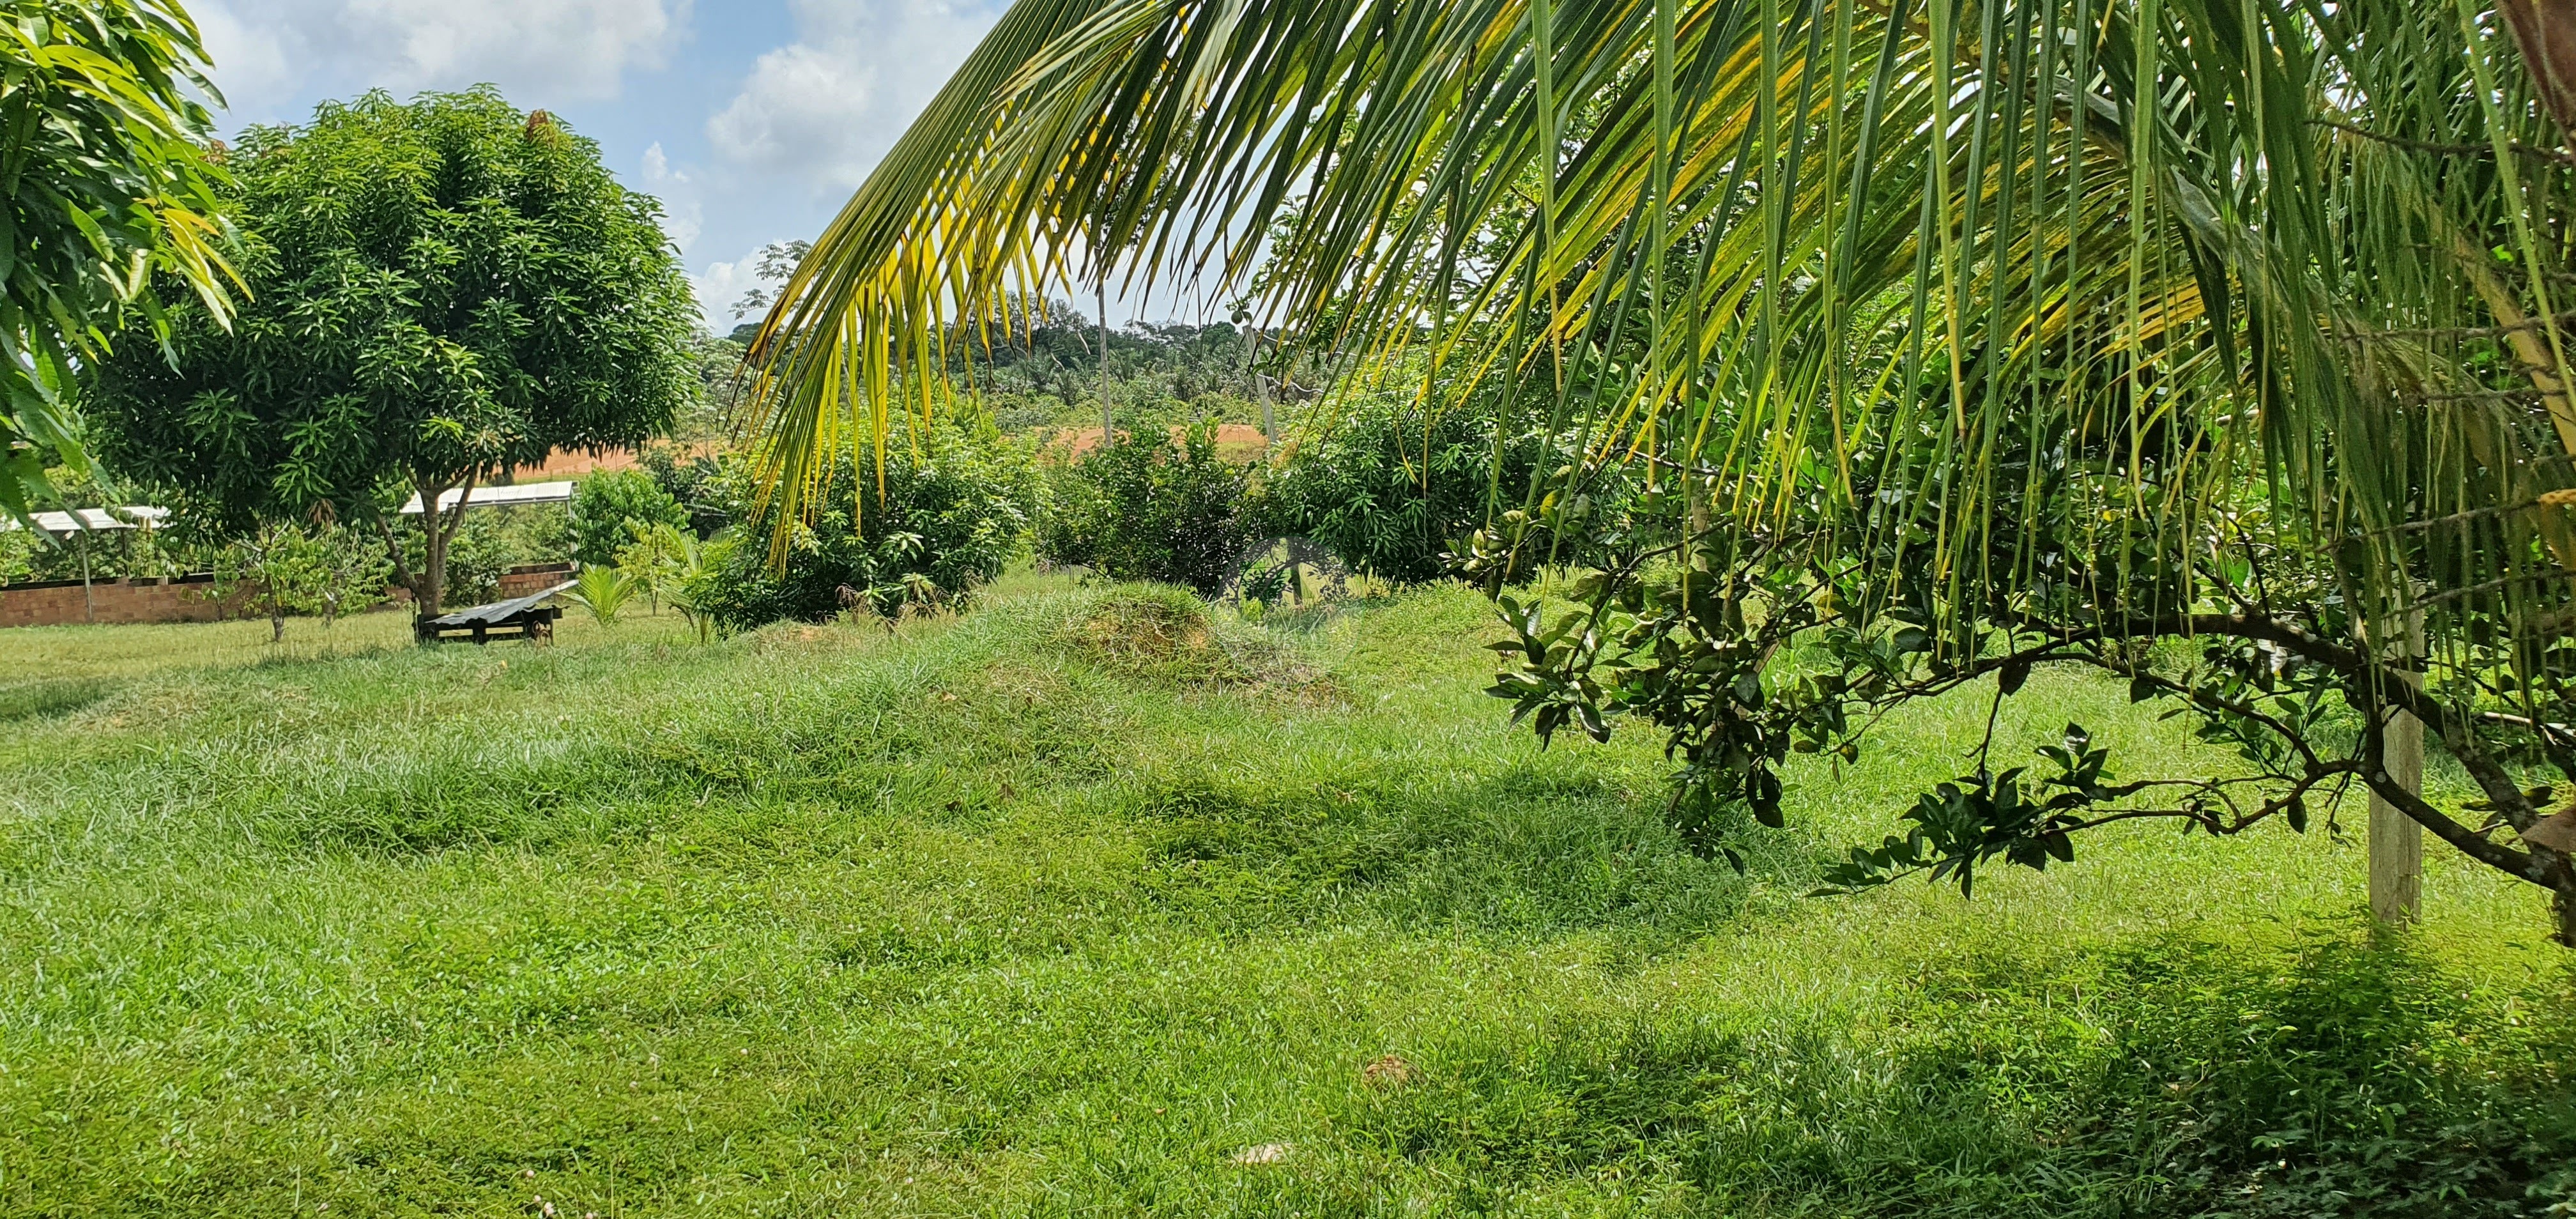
pixel 2545 32
pixel 432 588
pixel 1260 388
pixel 427 583
pixel 429 587
pixel 1108 423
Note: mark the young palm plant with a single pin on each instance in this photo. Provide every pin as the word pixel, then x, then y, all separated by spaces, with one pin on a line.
pixel 1950 337
pixel 604 591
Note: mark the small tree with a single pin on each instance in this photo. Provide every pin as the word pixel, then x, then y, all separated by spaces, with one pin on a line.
pixel 603 590
pixel 658 559
pixel 957 502
pixel 1390 485
pixel 275 565
pixel 350 571
pixel 444 289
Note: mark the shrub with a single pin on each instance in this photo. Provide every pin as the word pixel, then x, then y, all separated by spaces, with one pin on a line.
pixel 1143 508
pixel 604 502
pixel 1389 486
pixel 19 551
pixel 958 501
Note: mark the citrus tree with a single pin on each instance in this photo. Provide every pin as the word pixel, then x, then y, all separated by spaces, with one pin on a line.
pixel 107 181
pixel 442 289
pixel 2210 343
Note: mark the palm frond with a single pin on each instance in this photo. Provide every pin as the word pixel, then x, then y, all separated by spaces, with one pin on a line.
pixel 1753 240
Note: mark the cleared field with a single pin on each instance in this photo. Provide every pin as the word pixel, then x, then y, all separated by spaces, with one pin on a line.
pixel 1088 903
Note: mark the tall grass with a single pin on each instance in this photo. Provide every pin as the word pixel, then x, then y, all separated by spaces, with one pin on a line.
pixel 1066 905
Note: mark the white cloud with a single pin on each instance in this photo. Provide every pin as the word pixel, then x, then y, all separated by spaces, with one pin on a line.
pixel 657 166
pixel 546 50
pixel 828 105
pixel 722 284
pixel 683 215
pixel 250 64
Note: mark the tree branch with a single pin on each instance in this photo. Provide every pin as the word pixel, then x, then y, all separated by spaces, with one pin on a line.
pixel 2380 689
pixel 2450 150
pixel 2538 867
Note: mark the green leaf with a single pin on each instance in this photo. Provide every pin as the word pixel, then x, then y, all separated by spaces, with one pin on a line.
pixel 2009 680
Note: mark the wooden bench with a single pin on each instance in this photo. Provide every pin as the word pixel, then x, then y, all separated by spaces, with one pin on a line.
pixel 531 617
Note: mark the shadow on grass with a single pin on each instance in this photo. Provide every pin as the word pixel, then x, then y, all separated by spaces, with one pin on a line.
pixel 49 699
pixel 1535 849
pixel 2336 1076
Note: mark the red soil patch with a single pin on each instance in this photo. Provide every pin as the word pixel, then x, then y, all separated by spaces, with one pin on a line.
pixel 573 463
pixel 562 464
pixel 1234 441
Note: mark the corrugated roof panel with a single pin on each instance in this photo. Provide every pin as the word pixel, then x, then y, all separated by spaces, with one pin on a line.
pixel 91 520
pixel 500 497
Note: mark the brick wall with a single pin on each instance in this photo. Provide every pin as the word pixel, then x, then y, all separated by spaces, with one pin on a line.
pixel 193 599
pixel 55 604
pixel 521 581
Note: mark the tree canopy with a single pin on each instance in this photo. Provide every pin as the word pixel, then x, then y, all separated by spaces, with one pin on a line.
pixel 1949 338
pixel 106 183
pixel 442 289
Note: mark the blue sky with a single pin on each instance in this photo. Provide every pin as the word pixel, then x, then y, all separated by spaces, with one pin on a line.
pixel 750 119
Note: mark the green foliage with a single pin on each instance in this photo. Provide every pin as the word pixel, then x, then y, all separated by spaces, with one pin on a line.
pixel 611 507
pixel 270 564
pixel 124 554
pixel 1746 648
pixel 697 481
pixel 478 553
pixel 721 385
pixel 1044 371
pixel 1391 487
pixel 604 590
pixel 19 550
pixel 957 503
pixel 1144 508
pixel 483 548
pixel 2014 332
pixel 108 189
pixel 486 544
pixel 288 569
pixel 935 920
pixel 444 288
pixel 660 561
pixel 352 571
pixel 156 550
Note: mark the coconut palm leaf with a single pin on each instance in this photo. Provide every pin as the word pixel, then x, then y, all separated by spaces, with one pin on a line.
pixel 1750 239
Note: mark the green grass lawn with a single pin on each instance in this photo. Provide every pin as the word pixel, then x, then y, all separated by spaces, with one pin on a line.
pixel 1085 904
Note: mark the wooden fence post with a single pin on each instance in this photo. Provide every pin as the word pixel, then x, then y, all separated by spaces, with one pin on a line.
pixel 2396 841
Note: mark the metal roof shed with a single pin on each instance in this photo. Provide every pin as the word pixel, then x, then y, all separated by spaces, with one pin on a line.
pixel 83 522
pixel 498 497
pixel 93 520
